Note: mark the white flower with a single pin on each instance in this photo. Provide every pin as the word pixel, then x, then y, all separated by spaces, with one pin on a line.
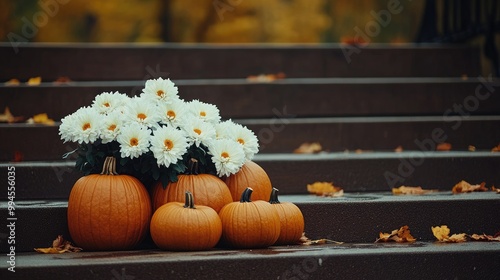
pixel 134 140
pixel 168 145
pixel 246 138
pixel 223 129
pixel 108 102
pixel 204 111
pixel 199 132
pixel 160 90
pixel 227 155
pixel 82 126
pixel 173 114
pixel 142 111
pixel 111 126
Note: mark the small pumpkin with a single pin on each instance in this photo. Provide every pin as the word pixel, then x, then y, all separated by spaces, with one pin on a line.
pixel 249 224
pixel 184 227
pixel 291 220
pixel 250 174
pixel 207 189
pixel 108 211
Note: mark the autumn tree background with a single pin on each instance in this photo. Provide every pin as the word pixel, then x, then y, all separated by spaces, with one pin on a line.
pixel 214 21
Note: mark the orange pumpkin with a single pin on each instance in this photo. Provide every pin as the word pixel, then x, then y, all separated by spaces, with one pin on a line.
pixel 249 224
pixel 184 227
pixel 207 189
pixel 291 220
pixel 108 211
pixel 250 175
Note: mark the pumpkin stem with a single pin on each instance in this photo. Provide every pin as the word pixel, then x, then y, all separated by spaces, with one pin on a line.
pixel 274 196
pixel 245 196
pixel 193 166
pixel 189 200
pixel 109 166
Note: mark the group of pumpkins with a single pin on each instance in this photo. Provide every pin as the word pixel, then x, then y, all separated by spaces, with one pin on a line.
pixel 108 211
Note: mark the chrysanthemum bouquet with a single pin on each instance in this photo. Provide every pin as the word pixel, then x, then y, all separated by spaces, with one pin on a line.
pixel 156 135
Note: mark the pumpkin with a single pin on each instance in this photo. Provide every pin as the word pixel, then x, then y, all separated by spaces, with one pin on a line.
pixel 249 224
pixel 184 227
pixel 291 220
pixel 108 211
pixel 250 175
pixel 207 189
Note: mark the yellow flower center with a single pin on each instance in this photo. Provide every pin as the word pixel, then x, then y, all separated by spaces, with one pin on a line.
pixel 224 155
pixel 241 141
pixel 141 116
pixel 112 127
pixel 171 114
pixel 86 126
pixel 197 131
pixel 106 104
pixel 134 142
pixel 168 144
pixel 203 114
pixel 160 93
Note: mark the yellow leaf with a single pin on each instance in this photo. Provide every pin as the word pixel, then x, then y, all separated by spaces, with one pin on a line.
pixel 441 232
pixel 400 235
pixel 325 189
pixel 411 190
pixel 35 81
pixel 464 187
pixel 59 245
pixel 308 148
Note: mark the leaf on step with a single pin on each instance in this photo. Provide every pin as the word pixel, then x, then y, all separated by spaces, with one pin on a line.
pixel 484 237
pixel 495 189
pixel 401 235
pixel 59 246
pixel 410 190
pixel 398 149
pixel 35 81
pixel 464 187
pixel 471 148
pixel 8 117
pixel 304 240
pixel 62 81
pixel 266 78
pixel 443 146
pixel 12 82
pixel 308 148
pixel 41 119
pixel 496 148
pixel 442 235
pixel 325 189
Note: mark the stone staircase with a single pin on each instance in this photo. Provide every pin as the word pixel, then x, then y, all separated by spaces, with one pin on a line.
pixel 413 96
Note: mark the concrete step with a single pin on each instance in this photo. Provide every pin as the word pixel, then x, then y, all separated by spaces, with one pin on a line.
pixel 298 97
pixel 421 260
pixel 188 61
pixel 284 135
pixel 365 172
pixel 355 217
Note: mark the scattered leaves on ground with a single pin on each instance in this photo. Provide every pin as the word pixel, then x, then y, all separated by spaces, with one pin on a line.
pixel 266 78
pixel 398 149
pixel 401 235
pixel 8 117
pixel 35 81
pixel 308 148
pixel 442 235
pixel 12 82
pixel 484 237
pixel 464 187
pixel 443 146
pixel 41 119
pixel 325 189
pixel 59 245
pixel 304 240
pixel 410 190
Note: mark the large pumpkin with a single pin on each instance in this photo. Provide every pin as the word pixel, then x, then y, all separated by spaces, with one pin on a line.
pixel 108 211
pixel 250 175
pixel 184 227
pixel 249 224
pixel 291 220
pixel 207 190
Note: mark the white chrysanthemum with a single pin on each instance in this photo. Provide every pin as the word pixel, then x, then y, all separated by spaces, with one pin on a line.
pixel 82 126
pixel 205 111
pixel 173 114
pixel 108 102
pixel 142 111
pixel 199 132
pixel 168 145
pixel 223 129
pixel 246 138
pixel 134 140
pixel 160 90
pixel 227 155
pixel 111 126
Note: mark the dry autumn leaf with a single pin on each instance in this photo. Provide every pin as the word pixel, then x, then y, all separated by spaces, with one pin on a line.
pixel 484 237
pixel 59 246
pixel 464 187
pixel 443 147
pixel 325 189
pixel 62 80
pixel 35 81
pixel 471 148
pixel 398 149
pixel 410 190
pixel 266 78
pixel 442 235
pixel 304 240
pixel 400 235
pixel 496 148
pixel 308 148
pixel 12 82
pixel 8 117
pixel 41 119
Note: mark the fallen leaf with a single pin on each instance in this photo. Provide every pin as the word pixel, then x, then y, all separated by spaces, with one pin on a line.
pixel 484 237
pixel 410 190
pixel 400 235
pixel 360 151
pixel 304 240
pixel 443 147
pixel 35 81
pixel 308 148
pixel 12 82
pixel 496 148
pixel 62 80
pixel 464 187
pixel 442 235
pixel 495 189
pixel 398 149
pixel 18 156
pixel 266 78
pixel 471 148
pixel 325 189
pixel 8 117
pixel 59 245
pixel 41 119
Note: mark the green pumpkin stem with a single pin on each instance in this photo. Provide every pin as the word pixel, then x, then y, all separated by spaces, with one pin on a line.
pixel 246 195
pixel 189 200
pixel 274 196
pixel 109 166
pixel 193 166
